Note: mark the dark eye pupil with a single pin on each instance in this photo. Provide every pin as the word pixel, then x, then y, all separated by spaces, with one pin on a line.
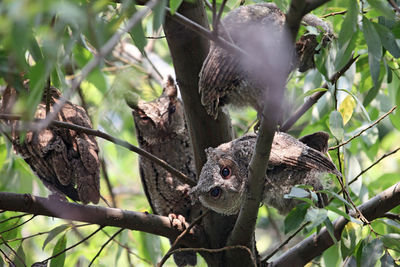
pixel 225 172
pixel 144 118
pixel 215 192
pixel 171 109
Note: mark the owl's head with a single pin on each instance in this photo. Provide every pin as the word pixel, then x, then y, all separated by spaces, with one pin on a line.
pixel 222 182
pixel 161 119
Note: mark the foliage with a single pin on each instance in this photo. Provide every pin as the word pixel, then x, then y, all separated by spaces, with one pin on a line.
pixel 53 40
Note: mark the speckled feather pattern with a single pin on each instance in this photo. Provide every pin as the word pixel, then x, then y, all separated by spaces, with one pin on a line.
pixel 223 79
pixel 291 162
pixel 161 130
pixel 66 161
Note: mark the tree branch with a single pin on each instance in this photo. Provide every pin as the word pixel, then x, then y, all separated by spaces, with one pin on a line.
pixel 139 221
pixel 314 98
pixel 315 244
pixel 95 61
pixel 188 50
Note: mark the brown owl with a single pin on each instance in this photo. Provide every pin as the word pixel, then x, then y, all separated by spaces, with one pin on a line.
pixel 258 29
pixel 65 160
pixel 223 179
pixel 161 130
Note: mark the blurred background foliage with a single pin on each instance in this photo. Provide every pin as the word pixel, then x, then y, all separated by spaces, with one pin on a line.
pixel 47 40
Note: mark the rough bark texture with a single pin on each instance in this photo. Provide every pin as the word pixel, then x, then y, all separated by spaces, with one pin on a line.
pixel 188 51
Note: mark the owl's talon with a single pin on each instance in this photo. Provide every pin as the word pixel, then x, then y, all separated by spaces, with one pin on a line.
pixel 177 221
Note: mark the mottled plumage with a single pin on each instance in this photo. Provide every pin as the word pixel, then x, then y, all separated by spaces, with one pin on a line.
pixel 65 160
pixel 223 179
pixel 227 78
pixel 161 130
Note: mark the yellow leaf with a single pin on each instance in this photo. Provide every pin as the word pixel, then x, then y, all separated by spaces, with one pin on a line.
pixel 346 108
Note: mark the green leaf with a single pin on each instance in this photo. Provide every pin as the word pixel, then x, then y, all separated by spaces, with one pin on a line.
pixel 151 247
pixel 137 33
pixel 383 7
pixel 395 119
pixel 388 40
pixel 295 217
pixel 310 92
pixel 174 5
pixel 53 233
pixel 339 212
pixel 3 155
pixel 315 217
pixel 348 240
pixel 96 77
pixel 387 260
pixel 374 49
pixel 391 241
pixel 371 252
pixel 37 81
pixel 159 14
pixel 296 192
pixel 349 25
pixel 330 229
pixel 60 246
pixel 336 124
pixel 20 259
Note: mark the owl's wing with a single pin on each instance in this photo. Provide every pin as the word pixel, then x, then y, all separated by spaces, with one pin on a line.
pixel 219 75
pixel 289 153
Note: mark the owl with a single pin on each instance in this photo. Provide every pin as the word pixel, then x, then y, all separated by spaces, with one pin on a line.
pixel 223 180
pixel 161 130
pixel 66 161
pixel 258 29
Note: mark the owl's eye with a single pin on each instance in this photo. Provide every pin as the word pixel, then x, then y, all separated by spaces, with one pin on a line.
pixel 144 118
pixel 171 109
pixel 226 172
pixel 216 192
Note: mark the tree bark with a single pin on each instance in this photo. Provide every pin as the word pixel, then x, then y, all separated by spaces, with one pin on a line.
pixel 188 51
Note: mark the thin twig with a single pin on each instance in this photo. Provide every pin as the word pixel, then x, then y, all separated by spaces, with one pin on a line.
pixel 333 14
pixel 153 66
pixel 15 217
pixel 42 233
pixel 155 37
pixel 95 61
pixel 284 243
pixel 128 249
pixel 392 216
pixel 365 129
pixel 173 246
pixel 8 260
pixel 108 183
pixel 76 244
pixel 13 251
pixel 12 228
pixel 179 175
pixel 394 5
pixel 373 164
pixel 197 28
pixel 314 98
pixel 105 244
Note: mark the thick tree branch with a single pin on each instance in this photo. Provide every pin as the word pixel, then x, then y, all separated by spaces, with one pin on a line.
pixel 188 51
pixel 315 244
pixel 139 221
